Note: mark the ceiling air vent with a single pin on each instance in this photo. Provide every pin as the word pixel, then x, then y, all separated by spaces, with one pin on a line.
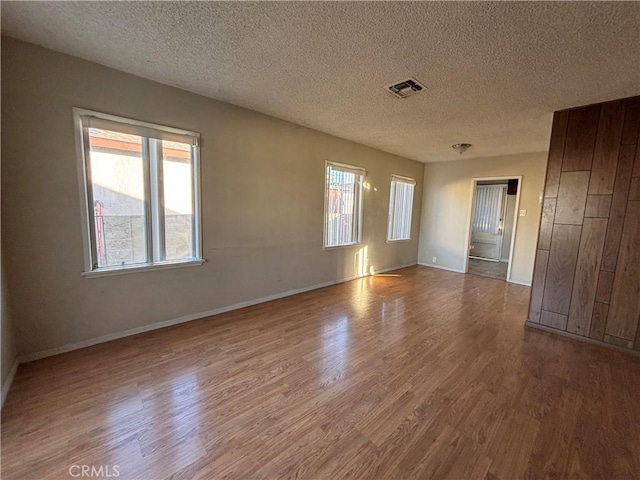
pixel 406 88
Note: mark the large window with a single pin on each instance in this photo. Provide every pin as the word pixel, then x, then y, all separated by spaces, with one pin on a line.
pixel 142 193
pixel 343 205
pixel 400 208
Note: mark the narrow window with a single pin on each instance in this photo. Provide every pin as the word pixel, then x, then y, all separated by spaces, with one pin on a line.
pixel 142 192
pixel 400 208
pixel 343 205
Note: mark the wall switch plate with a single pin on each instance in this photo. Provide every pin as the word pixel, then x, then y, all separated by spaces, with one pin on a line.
pixel 434 259
pixel 523 213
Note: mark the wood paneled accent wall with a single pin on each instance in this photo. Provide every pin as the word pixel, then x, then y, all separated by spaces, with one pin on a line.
pixel 586 279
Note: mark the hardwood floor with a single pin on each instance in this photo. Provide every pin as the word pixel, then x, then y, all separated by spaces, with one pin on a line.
pixel 419 373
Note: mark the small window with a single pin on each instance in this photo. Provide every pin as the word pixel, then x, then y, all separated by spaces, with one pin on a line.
pixel 400 208
pixel 343 205
pixel 142 193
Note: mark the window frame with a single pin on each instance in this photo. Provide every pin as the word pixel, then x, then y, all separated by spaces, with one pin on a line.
pixel 86 196
pixel 358 206
pixel 399 179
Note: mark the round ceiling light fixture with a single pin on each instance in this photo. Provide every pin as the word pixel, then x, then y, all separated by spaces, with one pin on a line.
pixel 461 147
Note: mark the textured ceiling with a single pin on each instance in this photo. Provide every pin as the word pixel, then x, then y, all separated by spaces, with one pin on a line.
pixel 495 71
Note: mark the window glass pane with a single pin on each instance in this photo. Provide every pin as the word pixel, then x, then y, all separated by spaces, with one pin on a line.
pixel 117 177
pixel 343 209
pixel 178 200
pixel 400 210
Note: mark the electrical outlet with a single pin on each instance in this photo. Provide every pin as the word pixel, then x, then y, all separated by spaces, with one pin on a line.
pixel 523 213
pixel 434 259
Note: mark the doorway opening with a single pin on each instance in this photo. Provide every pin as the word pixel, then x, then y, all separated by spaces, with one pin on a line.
pixel 493 216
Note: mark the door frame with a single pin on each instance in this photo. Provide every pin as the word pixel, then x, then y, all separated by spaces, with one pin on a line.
pixel 516 214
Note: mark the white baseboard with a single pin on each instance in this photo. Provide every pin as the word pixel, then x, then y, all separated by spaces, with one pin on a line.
pixel 519 282
pixel 7 383
pixel 187 318
pixel 433 265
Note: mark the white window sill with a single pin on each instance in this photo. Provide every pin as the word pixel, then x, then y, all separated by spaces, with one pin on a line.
pixel 112 271
pixel 399 240
pixel 342 246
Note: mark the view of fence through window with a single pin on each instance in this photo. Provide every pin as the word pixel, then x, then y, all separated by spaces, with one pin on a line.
pixel 120 212
pixel 178 205
pixel 342 223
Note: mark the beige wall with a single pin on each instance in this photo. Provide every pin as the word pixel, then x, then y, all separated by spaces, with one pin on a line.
pixel 445 208
pixel 262 203
pixel 7 338
pixel 8 352
pixel 8 346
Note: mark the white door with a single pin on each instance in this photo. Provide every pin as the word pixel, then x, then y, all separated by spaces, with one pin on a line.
pixel 487 225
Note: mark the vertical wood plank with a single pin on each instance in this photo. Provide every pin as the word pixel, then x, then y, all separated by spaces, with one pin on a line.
pixel 598 206
pixel 588 258
pixel 554 320
pixel 618 207
pixel 605 286
pixel 634 189
pixel 537 285
pixel 572 198
pixel 582 129
pixel 605 155
pixel 563 255
pixel 546 223
pixel 599 321
pixel 585 281
pixel 556 152
pixel 625 298
pixel 631 122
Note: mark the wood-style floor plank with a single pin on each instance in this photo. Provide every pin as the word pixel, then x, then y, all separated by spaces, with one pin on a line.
pixel 561 267
pixel 585 281
pixel 572 198
pixel 624 310
pixel 607 147
pixel 419 373
pixel 556 152
pixel 580 139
